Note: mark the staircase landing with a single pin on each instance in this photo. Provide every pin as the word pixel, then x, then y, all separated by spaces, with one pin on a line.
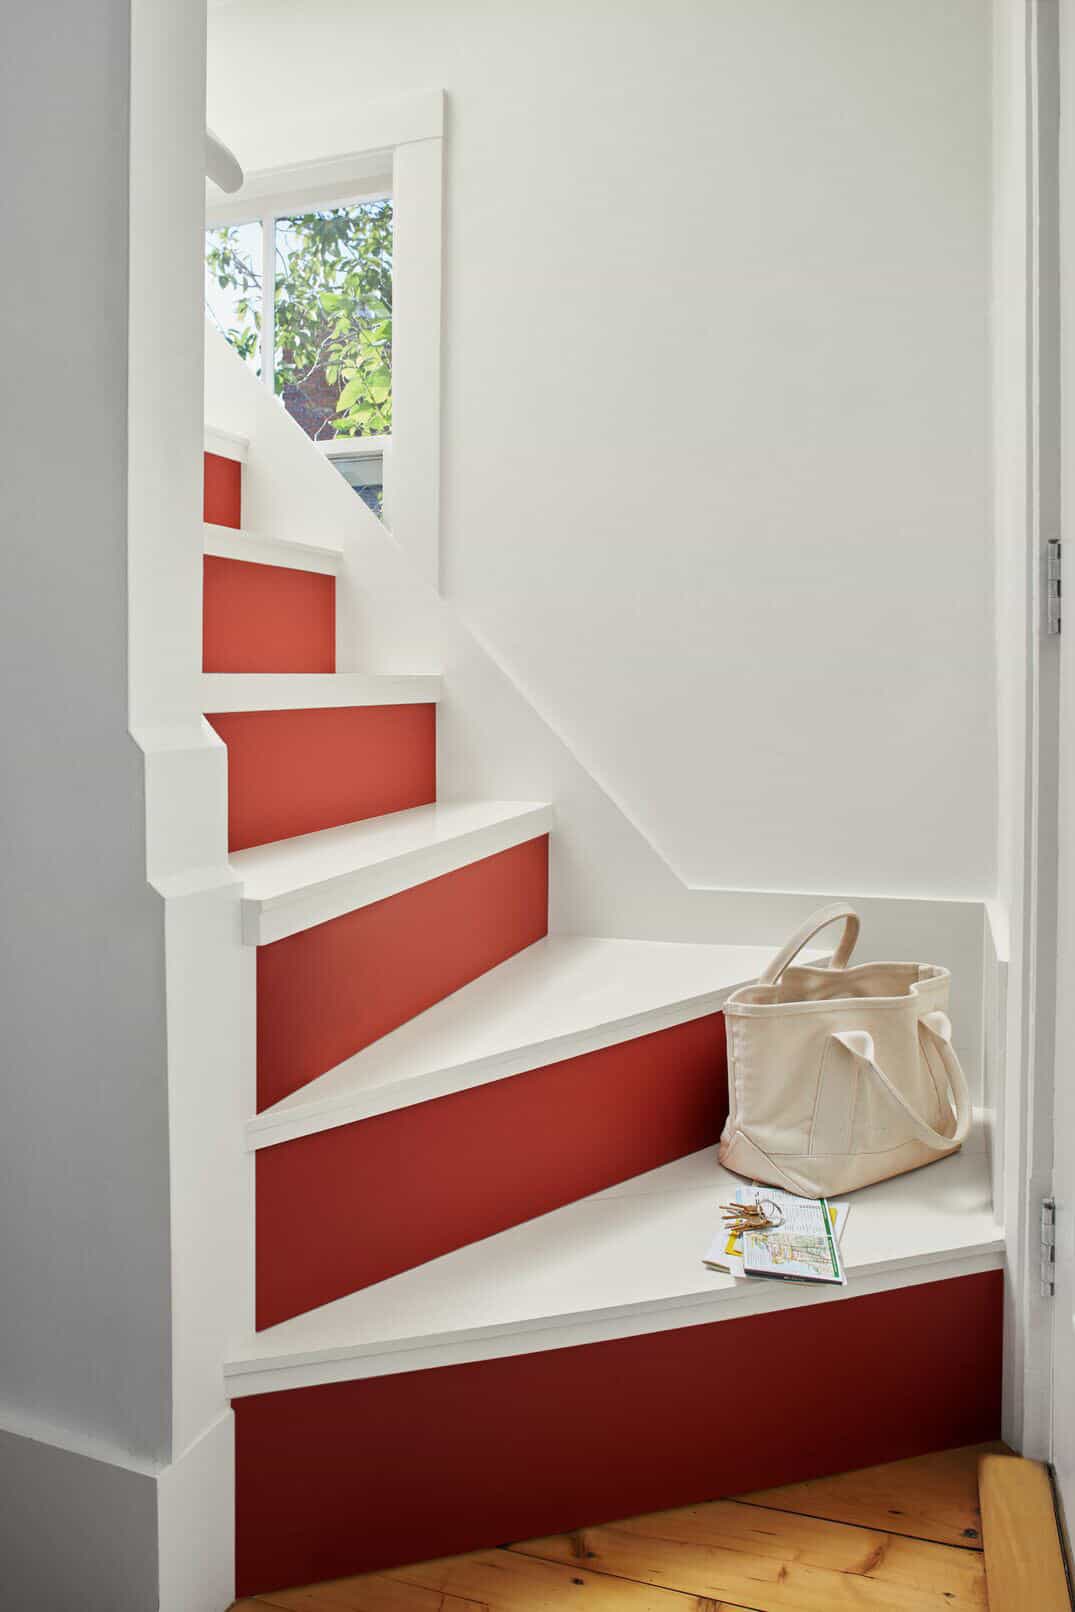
pixel 618 1263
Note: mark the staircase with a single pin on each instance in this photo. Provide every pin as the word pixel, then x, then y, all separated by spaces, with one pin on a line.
pixel 483 1154
pixel 416 1090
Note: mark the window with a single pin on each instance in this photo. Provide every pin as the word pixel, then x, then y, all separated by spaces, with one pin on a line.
pixel 360 461
pixel 314 319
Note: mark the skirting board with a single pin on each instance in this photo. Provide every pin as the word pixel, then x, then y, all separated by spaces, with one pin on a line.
pixel 75 1531
pixel 80 1530
pixel 352 1476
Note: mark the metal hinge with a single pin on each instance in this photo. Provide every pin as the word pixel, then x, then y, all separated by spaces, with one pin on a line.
pixel 1053 563
pixel 1048 1247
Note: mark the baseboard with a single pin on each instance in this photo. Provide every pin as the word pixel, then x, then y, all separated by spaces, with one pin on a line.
pixel 102 1534
pixel 75 1530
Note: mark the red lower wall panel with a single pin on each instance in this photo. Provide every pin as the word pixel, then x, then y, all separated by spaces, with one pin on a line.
pixel 267 618
pixel 293 772
pixel 223 490
pixel 350 1206
pixel 326 992
pixel 350 1477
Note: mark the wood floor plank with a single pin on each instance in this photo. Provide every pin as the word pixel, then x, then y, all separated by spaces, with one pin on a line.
pixel 1023 1558
pixel 372 1592
pixel 485 1581
pixel 776 1561
pixel 504 1581
pixel 928 1497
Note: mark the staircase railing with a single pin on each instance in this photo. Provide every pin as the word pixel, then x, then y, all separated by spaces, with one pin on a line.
pixel 221 166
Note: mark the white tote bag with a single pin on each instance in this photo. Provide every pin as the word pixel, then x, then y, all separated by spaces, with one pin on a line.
pixel 840 1076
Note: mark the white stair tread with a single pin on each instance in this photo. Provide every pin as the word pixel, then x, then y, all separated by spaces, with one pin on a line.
pixel 296 883
pixel 624 1261
pixel 561 997
pixel 291 691
pixel 231 543
pixel 226 443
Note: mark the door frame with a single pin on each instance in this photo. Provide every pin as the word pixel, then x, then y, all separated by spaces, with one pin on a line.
pixel 1061 1105
pixel 1030 40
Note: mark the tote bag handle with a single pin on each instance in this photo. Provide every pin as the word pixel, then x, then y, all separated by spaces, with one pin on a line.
pixel 859 1044
pixel 817 921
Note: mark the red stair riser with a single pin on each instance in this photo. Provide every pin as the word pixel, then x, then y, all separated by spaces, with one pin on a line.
pixel 293 772
pixel 326 992
pixel 266 618
pixel 350 1206
pixel 223 490
pixel 350 1477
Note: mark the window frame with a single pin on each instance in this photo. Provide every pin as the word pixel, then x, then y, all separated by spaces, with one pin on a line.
pixel 398 155
pixel 284 205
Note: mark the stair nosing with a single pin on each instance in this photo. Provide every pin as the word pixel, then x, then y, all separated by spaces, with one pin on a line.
pixel 234 446
pixel 227 692
pixel 256 548
pixel 315 1365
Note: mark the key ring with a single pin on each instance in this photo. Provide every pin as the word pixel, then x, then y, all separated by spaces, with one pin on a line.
pixel 761 1215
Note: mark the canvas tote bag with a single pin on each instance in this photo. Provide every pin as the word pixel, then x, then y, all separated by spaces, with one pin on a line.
pixel 840 1076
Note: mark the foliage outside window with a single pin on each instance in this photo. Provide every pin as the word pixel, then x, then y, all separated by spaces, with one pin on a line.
pixel 332 312
pixel 233 287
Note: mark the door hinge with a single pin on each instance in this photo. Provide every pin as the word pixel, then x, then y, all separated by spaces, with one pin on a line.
pixel 1053 565
pixel 1048 1247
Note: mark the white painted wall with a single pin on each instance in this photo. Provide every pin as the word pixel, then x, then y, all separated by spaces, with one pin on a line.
pixel 85 1333
pixel 120 1146
pixel 84 1340
pixel 716 480
pixel 494 739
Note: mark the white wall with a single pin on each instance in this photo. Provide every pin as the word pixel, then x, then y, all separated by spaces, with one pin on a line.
pixel 493 740
pixel 716 397
pixel 84 1340
pixel 120 1145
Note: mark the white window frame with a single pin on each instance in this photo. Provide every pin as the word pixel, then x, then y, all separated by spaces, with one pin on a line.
pixel 360 448
pixel 398 153
pixel 354 447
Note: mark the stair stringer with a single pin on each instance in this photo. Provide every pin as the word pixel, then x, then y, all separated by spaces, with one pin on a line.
pixel 609 877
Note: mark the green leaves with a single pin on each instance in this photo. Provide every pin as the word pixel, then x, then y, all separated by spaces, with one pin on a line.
pixel 332 314
pixel 352 392
pixel 379 382
pixel 334 318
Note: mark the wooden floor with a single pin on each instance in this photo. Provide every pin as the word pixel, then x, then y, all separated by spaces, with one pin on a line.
pixel 905 1535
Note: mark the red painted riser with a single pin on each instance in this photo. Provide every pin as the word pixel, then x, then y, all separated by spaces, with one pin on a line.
pixel 350 1206
pixel 223 490
pixel 327 992
pixel 266 618
pixel 294 772
pixel 350 1477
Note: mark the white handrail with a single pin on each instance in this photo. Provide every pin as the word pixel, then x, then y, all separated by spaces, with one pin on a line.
pixel 220 165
